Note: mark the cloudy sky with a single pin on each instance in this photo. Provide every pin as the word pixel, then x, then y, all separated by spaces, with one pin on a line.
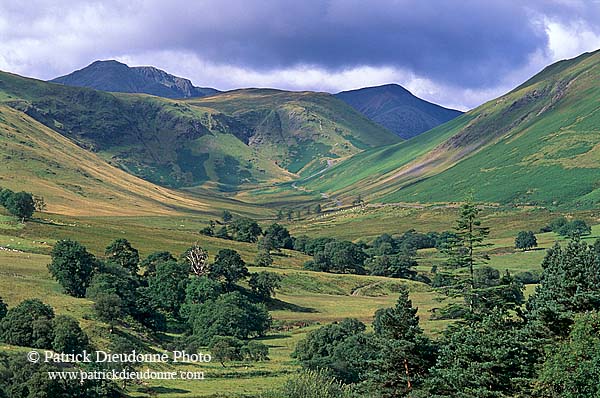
pixel 456 53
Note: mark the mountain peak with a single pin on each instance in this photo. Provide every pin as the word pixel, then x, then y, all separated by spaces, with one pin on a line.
pixel 112 75
pixel 397 109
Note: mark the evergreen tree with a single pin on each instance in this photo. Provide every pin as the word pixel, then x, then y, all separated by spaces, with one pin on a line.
pixel 570 284
pixel 406 354
pixel 462 250
pixel 572 367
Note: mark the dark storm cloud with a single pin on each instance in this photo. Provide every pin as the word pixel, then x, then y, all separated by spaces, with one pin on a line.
pixel 468 43
pixel 457 52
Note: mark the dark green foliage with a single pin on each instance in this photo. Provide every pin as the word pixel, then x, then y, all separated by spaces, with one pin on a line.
pixel 491 358
pixel 72 266
pixel 486 277
pixel 68 336
pixel 555 225
pixel 525 240
pixel 575 229
pixel 245 230
pixel 405 354
pixel 226 348
pixel 3 309
pixel 200 290
pixel 167 286
pixel 122 253
pixel 209 230
pixel 222 233
pixel 278 237
pixel 570 284
pixel 263 284
pixel 228 267
pixel 312 384
pixel 28 324
pixel 528 277
pixel 493 293
pixel 20 204
pixel 114 279
pixel 5 194
pixel 318 209
pixel 230 314
pixel 318 349
pixel 394 266
pixel 263 258
pixel 256 351
pixel 150 262
pixel 572 367
pixel 22 379
pixel 400 322
pixel 108 308
pixel 461 251
pixel 227 216
pixel 338 256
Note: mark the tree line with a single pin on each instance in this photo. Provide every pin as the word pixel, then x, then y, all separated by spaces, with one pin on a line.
pixel 501 345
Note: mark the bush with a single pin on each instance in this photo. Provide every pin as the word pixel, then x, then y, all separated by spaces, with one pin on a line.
pixel 312 384
pixel 256 351
pixel 226 348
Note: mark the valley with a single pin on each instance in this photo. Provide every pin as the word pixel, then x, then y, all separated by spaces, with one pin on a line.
pixel 346 205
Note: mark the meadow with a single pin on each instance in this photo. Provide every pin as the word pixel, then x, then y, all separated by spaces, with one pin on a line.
pixel 305 300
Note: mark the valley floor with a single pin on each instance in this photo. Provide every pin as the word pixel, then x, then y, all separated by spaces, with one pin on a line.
pixel 305 300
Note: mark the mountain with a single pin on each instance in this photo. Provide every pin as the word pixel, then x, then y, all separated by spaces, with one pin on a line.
pixel 538 144
pixel 396 109
pixel 77 182
pixel 117 77
pixel 228 142
pixel 301 131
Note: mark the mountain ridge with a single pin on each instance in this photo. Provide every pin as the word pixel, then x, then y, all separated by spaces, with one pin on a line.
pixel 537 144
pixel 397 109
pixel 115 76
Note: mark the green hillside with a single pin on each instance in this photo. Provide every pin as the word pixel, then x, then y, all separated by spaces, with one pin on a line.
pixel 231 143
pixel 538 144
pixel 300 130
pixel 74 181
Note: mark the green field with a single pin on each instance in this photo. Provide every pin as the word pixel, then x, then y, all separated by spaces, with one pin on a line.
pixel 305 300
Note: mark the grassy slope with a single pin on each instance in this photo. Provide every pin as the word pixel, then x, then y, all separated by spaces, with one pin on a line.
pixel 300 130
pixel 305 297
pixel 507 149
pixel 245 139
pixel 77 182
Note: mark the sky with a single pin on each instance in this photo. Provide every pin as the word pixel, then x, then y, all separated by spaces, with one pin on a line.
pixel 456 53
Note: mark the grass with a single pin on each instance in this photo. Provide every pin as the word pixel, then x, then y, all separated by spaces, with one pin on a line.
pixel 506 150
pixel 305 300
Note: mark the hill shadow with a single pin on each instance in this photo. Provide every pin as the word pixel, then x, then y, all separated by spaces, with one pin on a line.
pixel 276 304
